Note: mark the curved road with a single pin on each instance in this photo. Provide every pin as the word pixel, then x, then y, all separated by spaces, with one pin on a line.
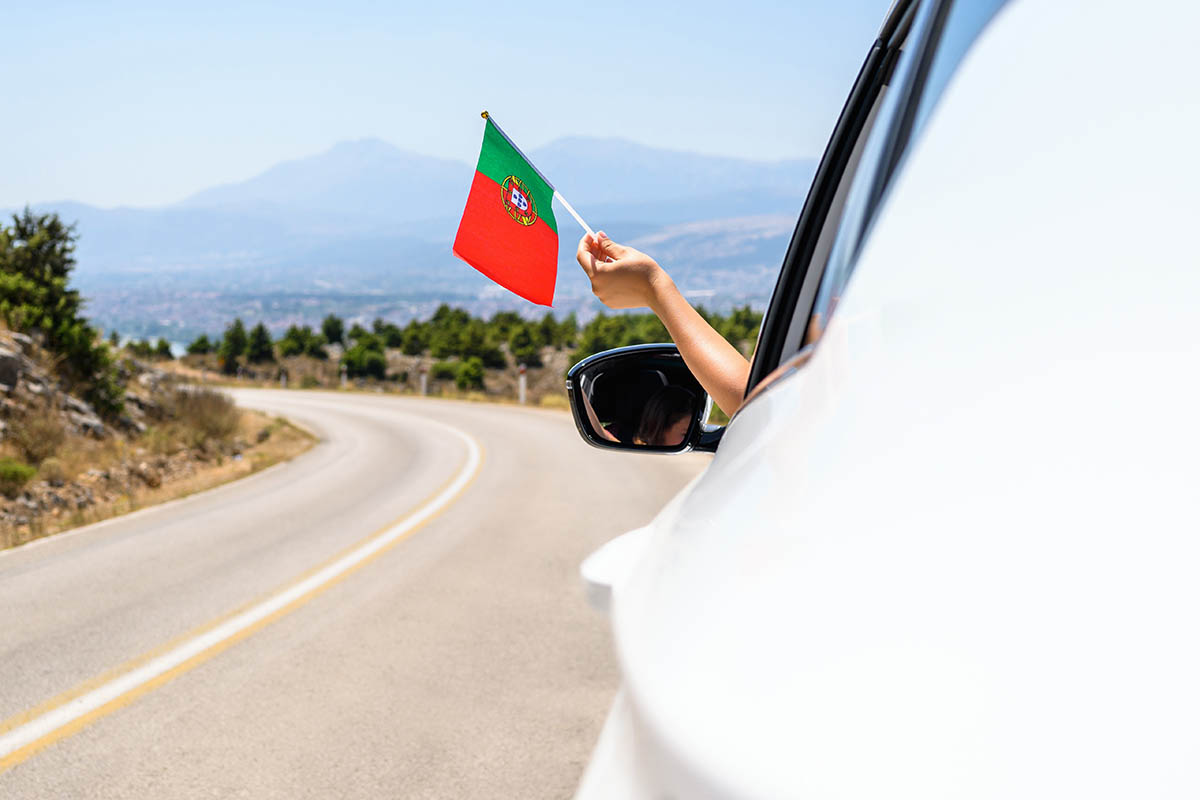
pixel 396 613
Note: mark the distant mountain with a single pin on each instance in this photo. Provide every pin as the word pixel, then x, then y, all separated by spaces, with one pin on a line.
pixel 667 186
pixel 366 218
pixel 366 184
pixel 370 184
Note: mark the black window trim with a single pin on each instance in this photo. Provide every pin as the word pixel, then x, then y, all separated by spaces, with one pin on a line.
pixel 873 73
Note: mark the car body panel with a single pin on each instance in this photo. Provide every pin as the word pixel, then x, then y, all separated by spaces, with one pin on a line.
pixel 955 554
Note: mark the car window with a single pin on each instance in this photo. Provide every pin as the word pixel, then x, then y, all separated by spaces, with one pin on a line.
pixel 920 81
pixel 788 310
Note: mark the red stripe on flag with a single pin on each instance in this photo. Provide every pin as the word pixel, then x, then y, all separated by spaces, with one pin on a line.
pixel 521 258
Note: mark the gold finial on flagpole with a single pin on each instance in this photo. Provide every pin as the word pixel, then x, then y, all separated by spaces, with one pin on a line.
pixel 484 115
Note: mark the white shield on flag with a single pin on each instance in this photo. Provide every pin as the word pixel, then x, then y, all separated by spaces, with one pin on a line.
pixel 519 200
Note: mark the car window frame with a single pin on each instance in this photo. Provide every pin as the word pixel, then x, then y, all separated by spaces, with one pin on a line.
pixel 905 109
pixel 787 299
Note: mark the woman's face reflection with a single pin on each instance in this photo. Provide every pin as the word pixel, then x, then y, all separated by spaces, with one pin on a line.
pixel 674 434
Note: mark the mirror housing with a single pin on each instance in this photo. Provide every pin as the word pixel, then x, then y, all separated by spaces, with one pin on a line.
pixel 641 398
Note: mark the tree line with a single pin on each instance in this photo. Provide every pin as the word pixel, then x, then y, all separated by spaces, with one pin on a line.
pixel 451 333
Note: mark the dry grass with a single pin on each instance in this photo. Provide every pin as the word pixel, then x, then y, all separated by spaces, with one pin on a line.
pixel 283 442
pixel 554 401
pixel 201 416
pixel 37 434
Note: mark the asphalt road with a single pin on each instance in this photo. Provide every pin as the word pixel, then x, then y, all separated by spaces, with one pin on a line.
pixel 456 659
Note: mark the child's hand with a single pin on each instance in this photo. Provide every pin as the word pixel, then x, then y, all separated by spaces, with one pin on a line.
pixel 621 276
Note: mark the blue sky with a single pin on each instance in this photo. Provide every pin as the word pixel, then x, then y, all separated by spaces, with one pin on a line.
pixel 132 103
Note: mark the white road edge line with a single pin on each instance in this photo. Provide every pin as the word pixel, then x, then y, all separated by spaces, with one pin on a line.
pixel 97 698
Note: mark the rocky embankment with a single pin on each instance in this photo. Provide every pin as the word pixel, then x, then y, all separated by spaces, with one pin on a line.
pixel 61 464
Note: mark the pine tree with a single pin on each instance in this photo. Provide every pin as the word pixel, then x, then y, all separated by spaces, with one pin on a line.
pixel 259 348
pixel 334 329
pixel 233 345
pixel 200 346
pixel 36 259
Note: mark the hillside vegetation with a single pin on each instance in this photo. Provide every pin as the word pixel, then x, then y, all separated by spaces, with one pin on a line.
pixel 86 430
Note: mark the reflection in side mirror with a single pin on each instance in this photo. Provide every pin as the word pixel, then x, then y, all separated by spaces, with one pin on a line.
pixel 640 398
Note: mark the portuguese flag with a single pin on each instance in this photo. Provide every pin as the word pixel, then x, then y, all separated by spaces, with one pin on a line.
pixel 508 230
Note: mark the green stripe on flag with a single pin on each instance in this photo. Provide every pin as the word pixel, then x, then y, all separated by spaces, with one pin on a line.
pixel 498 159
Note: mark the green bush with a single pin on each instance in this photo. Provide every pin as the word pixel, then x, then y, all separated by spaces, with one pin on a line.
pixel 200 346
pixel 444 371
pixel 391 335
pixel 365 359
pixel 414 339
pixel 14 475
pixel 524 342
pixel 302 341
pixel 470 374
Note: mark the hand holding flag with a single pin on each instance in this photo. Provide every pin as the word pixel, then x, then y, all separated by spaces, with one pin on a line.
pixel 621 276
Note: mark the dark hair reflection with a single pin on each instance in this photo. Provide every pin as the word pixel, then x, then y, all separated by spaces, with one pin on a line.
pixel 666 417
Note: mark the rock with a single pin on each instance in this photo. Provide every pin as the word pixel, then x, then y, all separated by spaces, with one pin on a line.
pixel 151 377
pixel 138 406
pixel 263 435
pixel 131 425
pixel 87 424
pixel 24 342
pixel 12 365
pixel 148 475
pixel 71 403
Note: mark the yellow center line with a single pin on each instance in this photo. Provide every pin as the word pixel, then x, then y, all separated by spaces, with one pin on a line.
pixel 24 734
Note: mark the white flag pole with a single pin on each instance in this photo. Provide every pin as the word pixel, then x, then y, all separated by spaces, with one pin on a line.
pixel 574 214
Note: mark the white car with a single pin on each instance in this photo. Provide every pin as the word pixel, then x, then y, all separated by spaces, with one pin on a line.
pixel 950 544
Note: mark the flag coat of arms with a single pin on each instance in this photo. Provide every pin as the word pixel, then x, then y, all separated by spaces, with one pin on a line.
pixel 508 231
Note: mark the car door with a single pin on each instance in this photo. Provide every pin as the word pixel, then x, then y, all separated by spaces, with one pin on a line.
pixel 696 717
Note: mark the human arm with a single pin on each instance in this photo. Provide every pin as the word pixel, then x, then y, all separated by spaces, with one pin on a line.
pixel 623 277
pixel 593 419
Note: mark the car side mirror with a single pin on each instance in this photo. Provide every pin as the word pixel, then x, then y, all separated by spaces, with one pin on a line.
pixel 641 398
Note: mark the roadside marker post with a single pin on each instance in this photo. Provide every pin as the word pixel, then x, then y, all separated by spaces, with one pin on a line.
pixel 521 386
pixel 424 381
